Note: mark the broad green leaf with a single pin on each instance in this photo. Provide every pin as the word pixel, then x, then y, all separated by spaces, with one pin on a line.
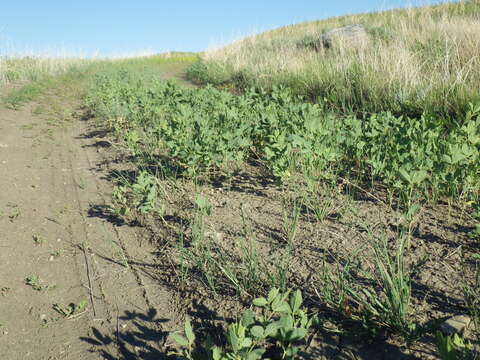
pixel 405 175
pixel 217 353
pixel 246 343
pixel 419 176
pixel 296 301
pixel 189 331
pixel 260 302
pixel 272 295
pixel 248 318
pixel 286 321
pixel 180 340
pixel 257 331
pixel 297 334
pixel 282 307
pixel 271 329
pixel 233 338
pixel 255 354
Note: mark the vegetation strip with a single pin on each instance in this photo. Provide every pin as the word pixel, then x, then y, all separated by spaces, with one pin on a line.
pixel 174 136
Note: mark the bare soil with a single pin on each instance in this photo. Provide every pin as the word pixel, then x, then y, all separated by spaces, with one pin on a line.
pixel 57 253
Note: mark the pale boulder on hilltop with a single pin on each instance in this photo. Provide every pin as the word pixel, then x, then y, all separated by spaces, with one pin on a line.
pixel 351 35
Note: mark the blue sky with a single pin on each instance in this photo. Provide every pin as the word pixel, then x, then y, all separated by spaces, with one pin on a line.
pixel 108 27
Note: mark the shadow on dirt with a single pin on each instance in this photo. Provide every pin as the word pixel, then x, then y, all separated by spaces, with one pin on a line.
pixel 94 134
pixel 137 336
pixel 140 336
pixel 104 212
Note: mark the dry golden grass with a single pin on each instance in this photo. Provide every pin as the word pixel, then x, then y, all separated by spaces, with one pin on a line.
pixel 20 69
pixel 417 59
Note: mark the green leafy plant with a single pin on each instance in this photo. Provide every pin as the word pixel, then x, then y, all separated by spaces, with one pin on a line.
pixel 120 201
pixel 145 192
pixel 453 347
pixel 140 196
pixel 186 343
pixel 201 131
pixel 281 323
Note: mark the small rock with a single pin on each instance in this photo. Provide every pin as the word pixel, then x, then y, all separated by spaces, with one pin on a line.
pixel 456 325
pixel 2 145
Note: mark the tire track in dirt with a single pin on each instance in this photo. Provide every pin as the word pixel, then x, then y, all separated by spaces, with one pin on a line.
pixel 51 190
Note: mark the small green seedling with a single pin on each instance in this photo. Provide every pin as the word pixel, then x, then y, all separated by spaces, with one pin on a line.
pixel 37 284
pixel 187 343
pixel 203 205
pixel 71 310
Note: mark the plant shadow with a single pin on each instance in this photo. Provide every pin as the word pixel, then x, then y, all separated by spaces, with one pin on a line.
pixel 137 336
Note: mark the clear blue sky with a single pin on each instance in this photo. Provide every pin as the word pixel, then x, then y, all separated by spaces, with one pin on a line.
pixel 114 27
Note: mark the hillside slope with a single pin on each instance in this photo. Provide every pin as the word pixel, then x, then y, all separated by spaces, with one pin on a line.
pixel 417 59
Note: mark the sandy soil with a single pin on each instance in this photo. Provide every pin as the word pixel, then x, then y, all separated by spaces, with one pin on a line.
pixel 57 252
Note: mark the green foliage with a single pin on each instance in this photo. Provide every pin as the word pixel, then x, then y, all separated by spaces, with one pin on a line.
pixel 278 329
pixel 203 73
pixel 381 300
pixel 16 98
pixel 197 131
pixel 453 347
pixel 145 192
pixel 140 196
pixel 203 205
pixel 416 60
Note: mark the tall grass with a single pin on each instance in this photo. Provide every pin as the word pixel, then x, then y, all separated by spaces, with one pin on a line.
pixel 418 59
pixel 34 68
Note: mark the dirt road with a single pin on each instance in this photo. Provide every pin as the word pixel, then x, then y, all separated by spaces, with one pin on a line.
pixel 73 285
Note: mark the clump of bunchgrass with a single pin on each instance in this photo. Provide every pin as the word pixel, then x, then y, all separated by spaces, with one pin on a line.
pixel 377 298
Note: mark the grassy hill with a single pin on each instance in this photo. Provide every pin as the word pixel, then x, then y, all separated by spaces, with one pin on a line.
pixel 417 59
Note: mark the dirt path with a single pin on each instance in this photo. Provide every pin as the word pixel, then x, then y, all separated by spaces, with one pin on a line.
pixel 72 284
